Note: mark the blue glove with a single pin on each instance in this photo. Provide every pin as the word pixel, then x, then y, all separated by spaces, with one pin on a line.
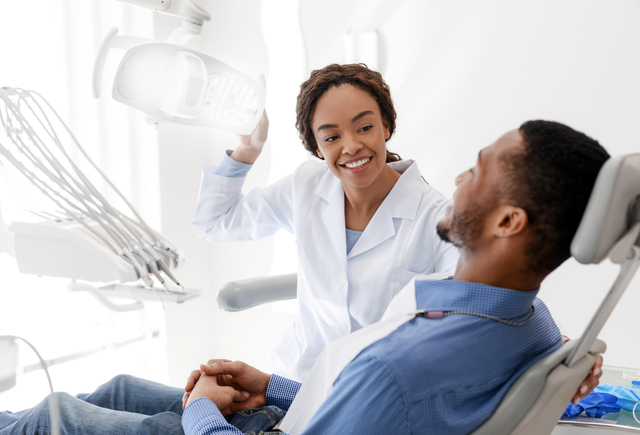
pixel 627 397
pixel 595 405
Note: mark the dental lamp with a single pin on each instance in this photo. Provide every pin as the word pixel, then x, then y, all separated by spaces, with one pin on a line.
pixel 171 82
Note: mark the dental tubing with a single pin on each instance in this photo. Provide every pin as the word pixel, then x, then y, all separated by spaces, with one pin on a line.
pixel 35 156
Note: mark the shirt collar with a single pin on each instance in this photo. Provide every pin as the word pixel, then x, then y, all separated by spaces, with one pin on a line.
pixel 404 198
pixel 452 295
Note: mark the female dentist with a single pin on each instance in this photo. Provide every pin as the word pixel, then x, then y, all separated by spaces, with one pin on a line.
pixel 364 220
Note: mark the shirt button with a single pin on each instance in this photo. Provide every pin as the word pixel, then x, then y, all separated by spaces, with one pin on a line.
pixel 343 327
pixel 343 280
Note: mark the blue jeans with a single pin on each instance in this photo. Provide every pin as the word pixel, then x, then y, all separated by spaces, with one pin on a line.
pixel 124 405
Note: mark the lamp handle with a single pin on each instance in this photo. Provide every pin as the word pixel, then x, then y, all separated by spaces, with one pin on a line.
pixel 112 40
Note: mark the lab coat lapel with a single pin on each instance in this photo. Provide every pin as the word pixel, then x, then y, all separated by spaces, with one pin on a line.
pixel 402 203
pixel 330 189
pixel 379 229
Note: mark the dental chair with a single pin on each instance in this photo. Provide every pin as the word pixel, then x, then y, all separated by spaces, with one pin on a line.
pixel 610 228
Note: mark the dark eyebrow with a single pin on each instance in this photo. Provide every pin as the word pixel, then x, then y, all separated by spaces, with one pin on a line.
pixel 355 118
pixel 361 114
pixel 325 126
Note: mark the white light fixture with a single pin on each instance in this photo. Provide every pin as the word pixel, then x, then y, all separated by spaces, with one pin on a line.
pixel 174 83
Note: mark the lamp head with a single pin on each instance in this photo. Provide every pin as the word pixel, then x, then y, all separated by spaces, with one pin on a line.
pixel 178 84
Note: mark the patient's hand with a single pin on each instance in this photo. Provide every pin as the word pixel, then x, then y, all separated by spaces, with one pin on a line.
pixel 241 377
pixel 194 376
pixel 222 396
pixel 590 382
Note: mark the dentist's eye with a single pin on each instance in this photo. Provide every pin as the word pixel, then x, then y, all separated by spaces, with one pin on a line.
pixel 366 128
pixel 330 138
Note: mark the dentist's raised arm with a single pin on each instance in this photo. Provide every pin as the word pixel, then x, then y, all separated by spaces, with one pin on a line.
pixel 224 214
pixel 250 146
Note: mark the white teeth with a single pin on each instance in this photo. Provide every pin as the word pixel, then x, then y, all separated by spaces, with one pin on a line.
pixel 358 164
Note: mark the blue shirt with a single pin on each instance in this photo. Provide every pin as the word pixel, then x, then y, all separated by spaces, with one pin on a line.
pixel 229 167
pixel 441 376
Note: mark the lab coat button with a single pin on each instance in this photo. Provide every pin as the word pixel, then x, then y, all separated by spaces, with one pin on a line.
pixel 343 327
pixel 343 280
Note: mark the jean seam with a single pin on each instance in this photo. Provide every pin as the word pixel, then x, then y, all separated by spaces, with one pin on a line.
pixel 244 414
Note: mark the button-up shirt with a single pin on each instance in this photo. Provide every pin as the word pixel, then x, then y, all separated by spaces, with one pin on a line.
pixel 440 376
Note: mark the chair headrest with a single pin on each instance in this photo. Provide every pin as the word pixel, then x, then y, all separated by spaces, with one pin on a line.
pixel 612 211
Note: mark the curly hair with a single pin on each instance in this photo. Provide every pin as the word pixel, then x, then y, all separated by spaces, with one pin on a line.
pixel 321 80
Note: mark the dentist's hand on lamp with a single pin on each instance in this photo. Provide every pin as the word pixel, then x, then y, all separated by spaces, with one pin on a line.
pixel 250 146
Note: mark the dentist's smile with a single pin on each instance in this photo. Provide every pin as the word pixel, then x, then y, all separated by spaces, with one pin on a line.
pixel 356 166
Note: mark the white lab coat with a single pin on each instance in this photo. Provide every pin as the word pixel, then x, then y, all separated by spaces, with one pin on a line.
pixel 337 293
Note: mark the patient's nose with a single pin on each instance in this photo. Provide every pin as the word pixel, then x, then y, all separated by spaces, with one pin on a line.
pixel 460 178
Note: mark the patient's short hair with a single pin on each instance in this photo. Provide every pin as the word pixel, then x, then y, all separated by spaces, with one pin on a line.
pixel 552 181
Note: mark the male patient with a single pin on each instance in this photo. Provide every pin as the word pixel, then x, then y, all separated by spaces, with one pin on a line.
pixel 513 218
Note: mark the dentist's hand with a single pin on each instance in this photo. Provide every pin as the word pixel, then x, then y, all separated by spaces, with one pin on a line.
pixel 250 146
pixel 222 396
pixel 242 377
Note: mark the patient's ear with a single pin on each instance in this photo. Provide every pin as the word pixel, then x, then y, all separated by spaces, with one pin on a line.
pixel 511 221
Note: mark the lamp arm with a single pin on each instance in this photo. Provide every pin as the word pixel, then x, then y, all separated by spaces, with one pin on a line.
pixel 188 10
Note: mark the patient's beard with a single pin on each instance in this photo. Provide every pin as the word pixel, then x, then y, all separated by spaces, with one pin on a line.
pixel 464 228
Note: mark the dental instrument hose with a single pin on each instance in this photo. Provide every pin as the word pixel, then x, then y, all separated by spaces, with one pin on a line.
pixel 51 171
pixel 54 412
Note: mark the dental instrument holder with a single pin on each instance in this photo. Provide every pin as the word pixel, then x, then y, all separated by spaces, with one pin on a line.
pixel 82 237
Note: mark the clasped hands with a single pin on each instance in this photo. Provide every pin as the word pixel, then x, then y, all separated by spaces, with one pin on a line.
pixel 236 386
pixel 232 385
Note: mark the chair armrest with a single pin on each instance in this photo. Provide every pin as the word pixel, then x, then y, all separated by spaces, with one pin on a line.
pixel 248 293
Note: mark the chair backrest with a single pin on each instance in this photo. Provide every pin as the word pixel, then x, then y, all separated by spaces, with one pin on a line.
pixel 613 209
pixel 611 222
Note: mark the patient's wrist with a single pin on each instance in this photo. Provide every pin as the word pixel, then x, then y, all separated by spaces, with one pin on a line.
pixel 281 392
